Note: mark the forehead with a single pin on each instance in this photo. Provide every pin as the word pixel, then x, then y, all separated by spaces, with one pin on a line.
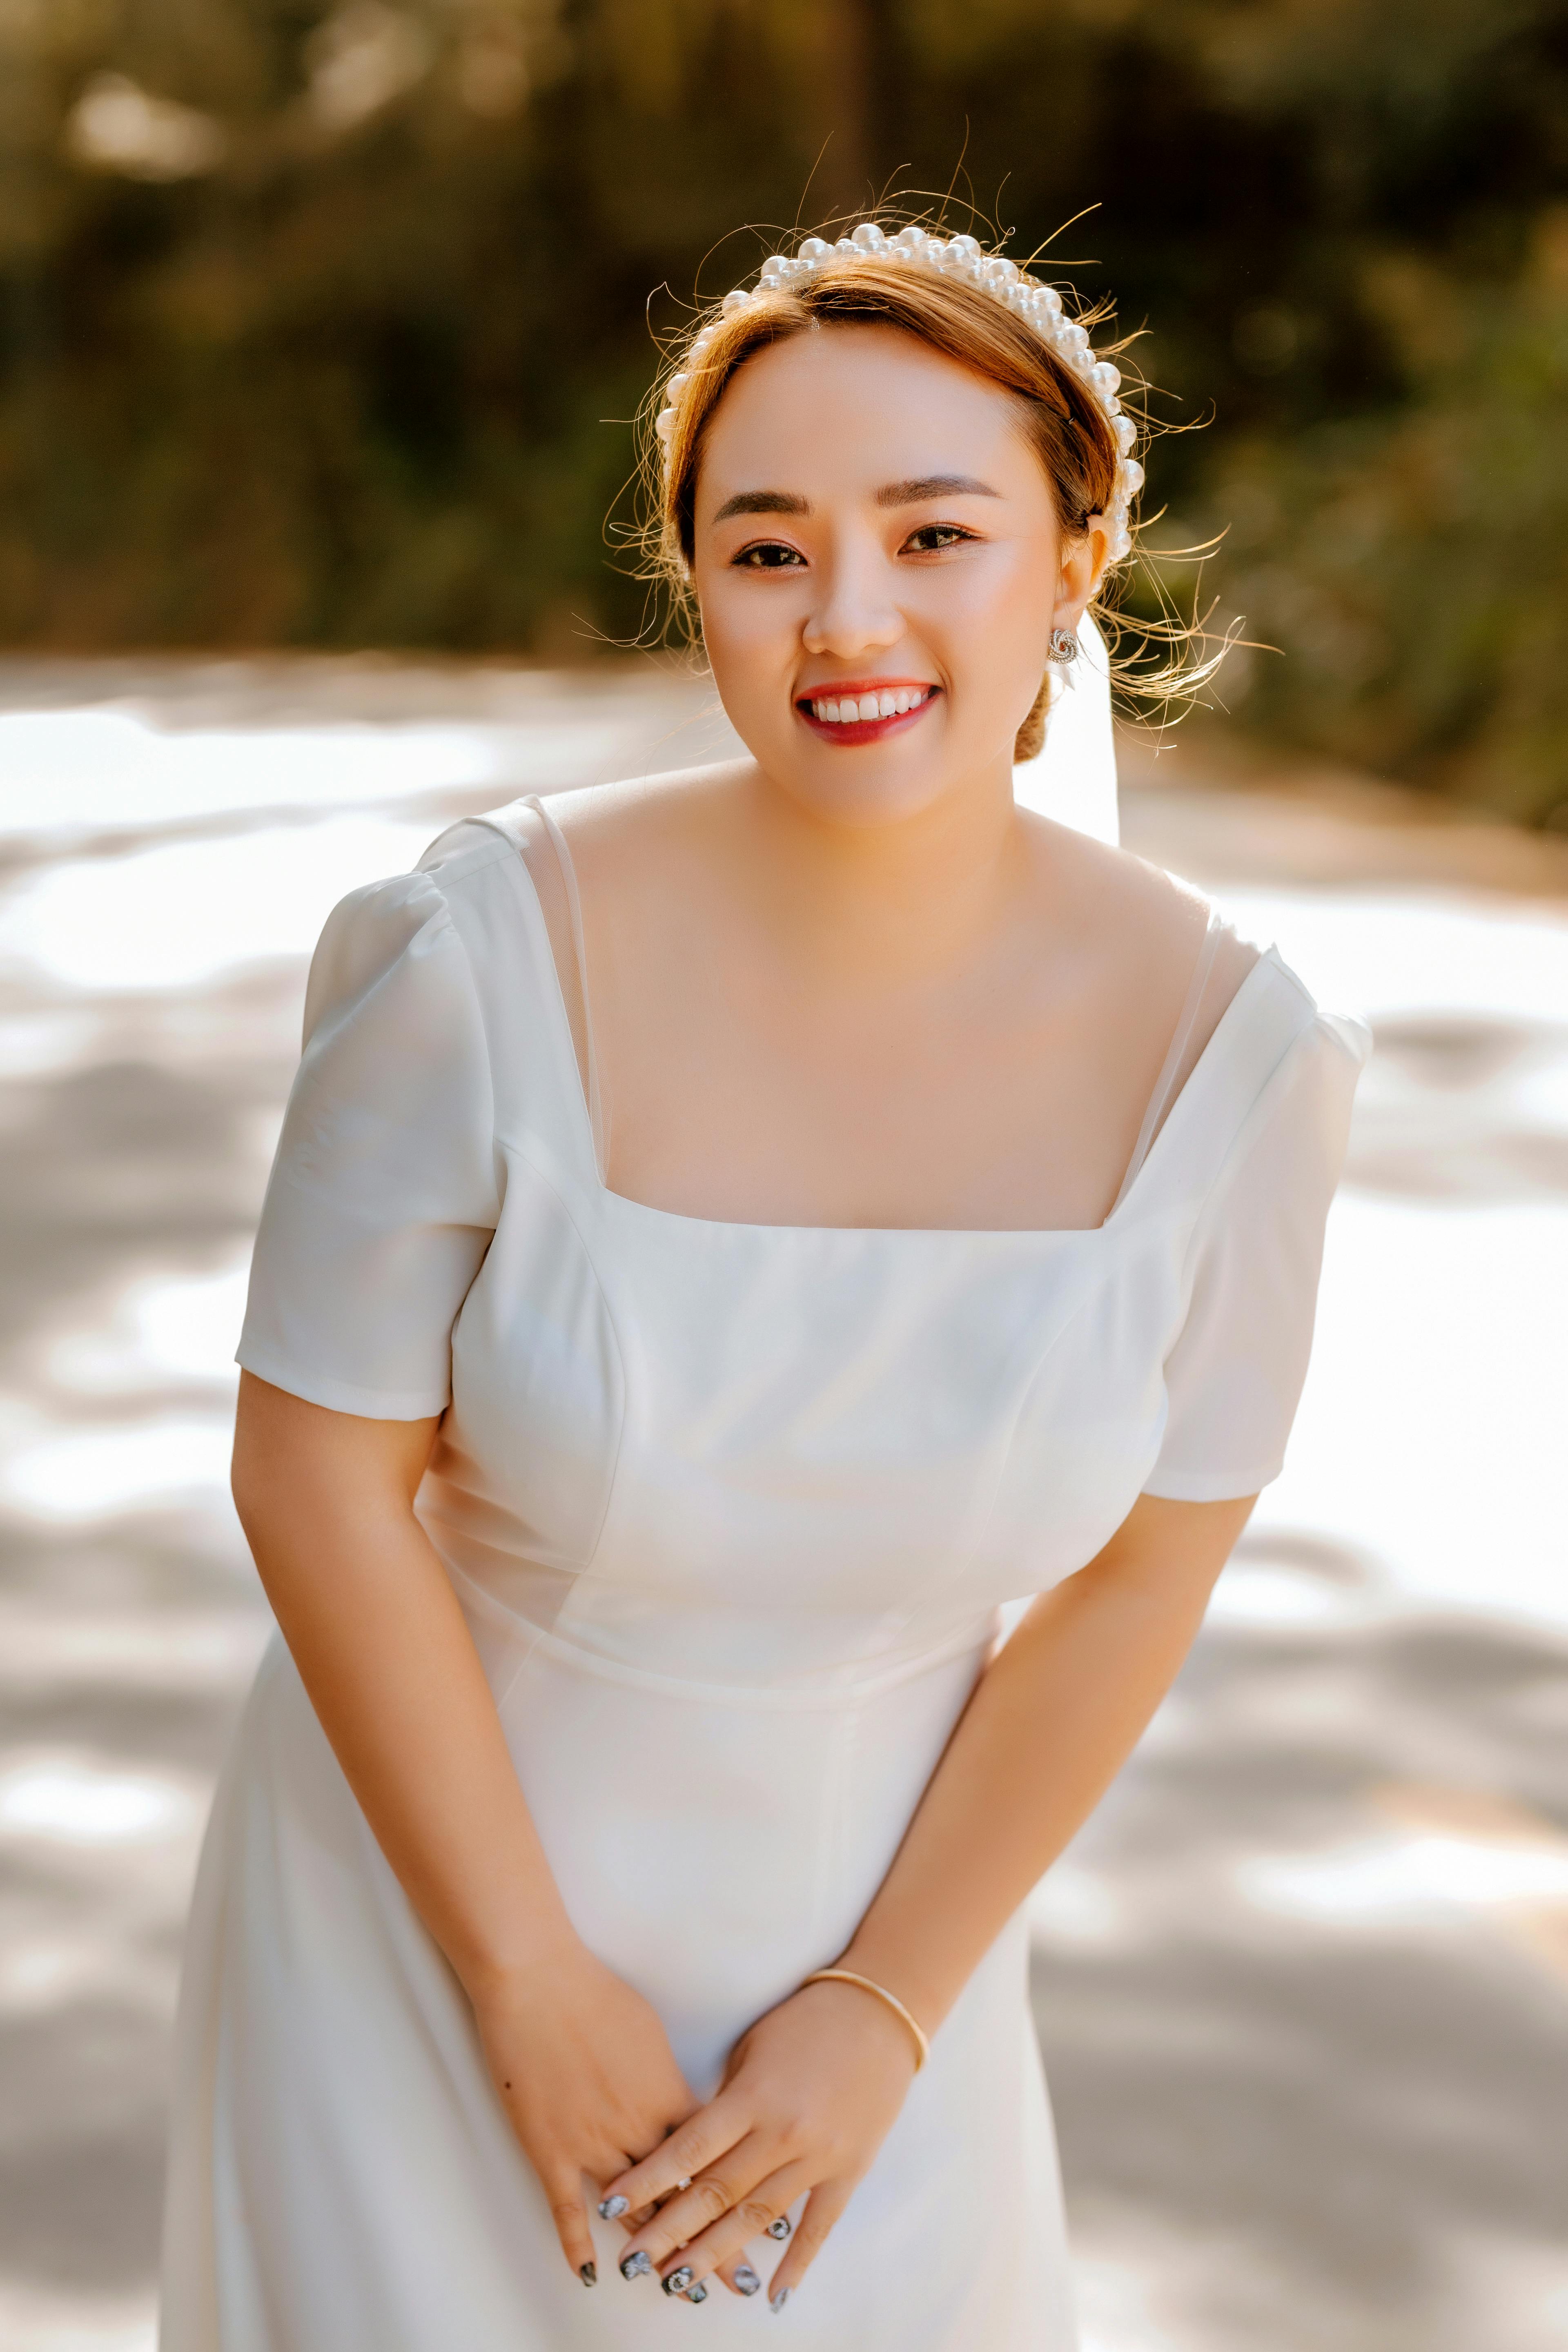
pixel 851 406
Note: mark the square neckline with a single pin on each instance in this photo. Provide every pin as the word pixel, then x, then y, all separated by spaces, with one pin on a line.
pixel 566 1055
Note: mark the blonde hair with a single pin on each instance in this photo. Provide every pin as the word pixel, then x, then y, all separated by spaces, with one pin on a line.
pixel 1069 430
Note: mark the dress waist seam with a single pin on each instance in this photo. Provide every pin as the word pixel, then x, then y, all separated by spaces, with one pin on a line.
pixel 748 1696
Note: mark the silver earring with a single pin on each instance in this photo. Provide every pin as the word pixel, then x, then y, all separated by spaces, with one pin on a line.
pixel 1063 646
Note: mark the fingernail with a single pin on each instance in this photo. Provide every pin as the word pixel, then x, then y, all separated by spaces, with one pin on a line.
pixel 613 2207
pixel 697 2293
pixel 637 2265
pixel 678 2281
pixel 777 2302
pixel 588 2273
pixel 746 2278
pixel 780 2228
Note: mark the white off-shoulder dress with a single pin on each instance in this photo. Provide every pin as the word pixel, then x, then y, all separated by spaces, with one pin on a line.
pixel 731 1510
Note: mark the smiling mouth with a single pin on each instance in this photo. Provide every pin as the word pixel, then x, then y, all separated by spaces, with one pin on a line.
pixel 865 714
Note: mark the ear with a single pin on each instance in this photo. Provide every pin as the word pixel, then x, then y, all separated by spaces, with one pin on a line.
pixel 1082 570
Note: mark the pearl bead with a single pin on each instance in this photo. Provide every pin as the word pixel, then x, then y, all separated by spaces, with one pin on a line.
pixel 676 386
pixel 664 423
pixel 963 258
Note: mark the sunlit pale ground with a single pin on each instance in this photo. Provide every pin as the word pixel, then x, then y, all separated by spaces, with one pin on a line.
pixel 1303 1984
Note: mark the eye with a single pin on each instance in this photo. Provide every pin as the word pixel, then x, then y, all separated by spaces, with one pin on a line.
pixel 768 555
pixel 932 537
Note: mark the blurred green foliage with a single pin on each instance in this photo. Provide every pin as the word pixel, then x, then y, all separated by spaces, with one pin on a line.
pixel 323 326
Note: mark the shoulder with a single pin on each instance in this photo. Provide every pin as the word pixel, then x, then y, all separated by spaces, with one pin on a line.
pixel 1125 937
pixel 1115 886
pixel 390 941
pixel 374 926
pixel 638 824
pixel 631 820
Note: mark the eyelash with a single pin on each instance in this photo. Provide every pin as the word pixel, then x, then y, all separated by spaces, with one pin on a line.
pixel 953 535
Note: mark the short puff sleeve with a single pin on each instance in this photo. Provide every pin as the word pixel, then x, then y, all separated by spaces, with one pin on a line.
pixel 384 1195
pixel 1234 1375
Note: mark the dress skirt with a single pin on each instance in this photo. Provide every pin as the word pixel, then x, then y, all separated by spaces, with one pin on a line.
pixel 344 2178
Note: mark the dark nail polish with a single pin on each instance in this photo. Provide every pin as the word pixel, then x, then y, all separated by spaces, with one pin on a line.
pixel 613 2207
pixel 637 2265
pixel 746 2278
pixel 697 2293
pixel 780 2228
pixel 678 2281
pixel 777 2302
pixel 588 2273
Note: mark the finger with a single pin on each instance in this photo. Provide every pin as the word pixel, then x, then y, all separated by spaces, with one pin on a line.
pixel 739 2276
pixel 823 2208
pixel 570 2215
pixel 760 2213
pixel 691 2150
pixel 707 2199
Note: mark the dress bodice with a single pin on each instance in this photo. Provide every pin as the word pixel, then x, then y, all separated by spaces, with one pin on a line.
pixel 792 1460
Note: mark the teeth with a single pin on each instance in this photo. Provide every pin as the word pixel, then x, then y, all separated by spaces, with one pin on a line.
pixel 887 702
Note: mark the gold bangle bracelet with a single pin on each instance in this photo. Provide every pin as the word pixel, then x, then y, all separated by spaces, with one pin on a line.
pixel 848 1975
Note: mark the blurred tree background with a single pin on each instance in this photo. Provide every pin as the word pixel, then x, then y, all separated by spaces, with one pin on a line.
pixel 323 326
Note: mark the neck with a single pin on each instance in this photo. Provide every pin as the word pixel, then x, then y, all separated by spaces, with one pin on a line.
pixel 892 898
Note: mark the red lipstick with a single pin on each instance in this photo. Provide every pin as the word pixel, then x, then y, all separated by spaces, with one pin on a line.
pixel 846 731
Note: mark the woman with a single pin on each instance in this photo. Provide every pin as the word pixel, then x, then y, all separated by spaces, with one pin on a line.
pixel 732 1235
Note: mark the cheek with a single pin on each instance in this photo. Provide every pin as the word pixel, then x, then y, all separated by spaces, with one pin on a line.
pixel 748 631
pixel 995 615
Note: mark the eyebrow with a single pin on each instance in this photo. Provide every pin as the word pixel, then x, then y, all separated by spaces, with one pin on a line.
pixel 892 494
pixel 763 502
pixel 934 486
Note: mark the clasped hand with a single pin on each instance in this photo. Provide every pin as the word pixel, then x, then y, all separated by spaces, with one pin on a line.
pixel 809 2094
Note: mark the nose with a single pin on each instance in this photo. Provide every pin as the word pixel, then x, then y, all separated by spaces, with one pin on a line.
pixel 854 610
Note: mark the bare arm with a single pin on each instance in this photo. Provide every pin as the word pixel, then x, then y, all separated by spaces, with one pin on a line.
pixel 580 2062
pixel 1052 1721
pixel 814 2087
pixel 326 1501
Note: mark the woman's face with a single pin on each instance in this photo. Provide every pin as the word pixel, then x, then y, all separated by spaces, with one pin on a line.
pixel 871 521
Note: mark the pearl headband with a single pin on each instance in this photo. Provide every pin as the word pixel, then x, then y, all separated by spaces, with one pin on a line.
pixel 961 257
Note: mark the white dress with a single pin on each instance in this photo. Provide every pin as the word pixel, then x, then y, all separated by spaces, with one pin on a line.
pixel 731 1510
